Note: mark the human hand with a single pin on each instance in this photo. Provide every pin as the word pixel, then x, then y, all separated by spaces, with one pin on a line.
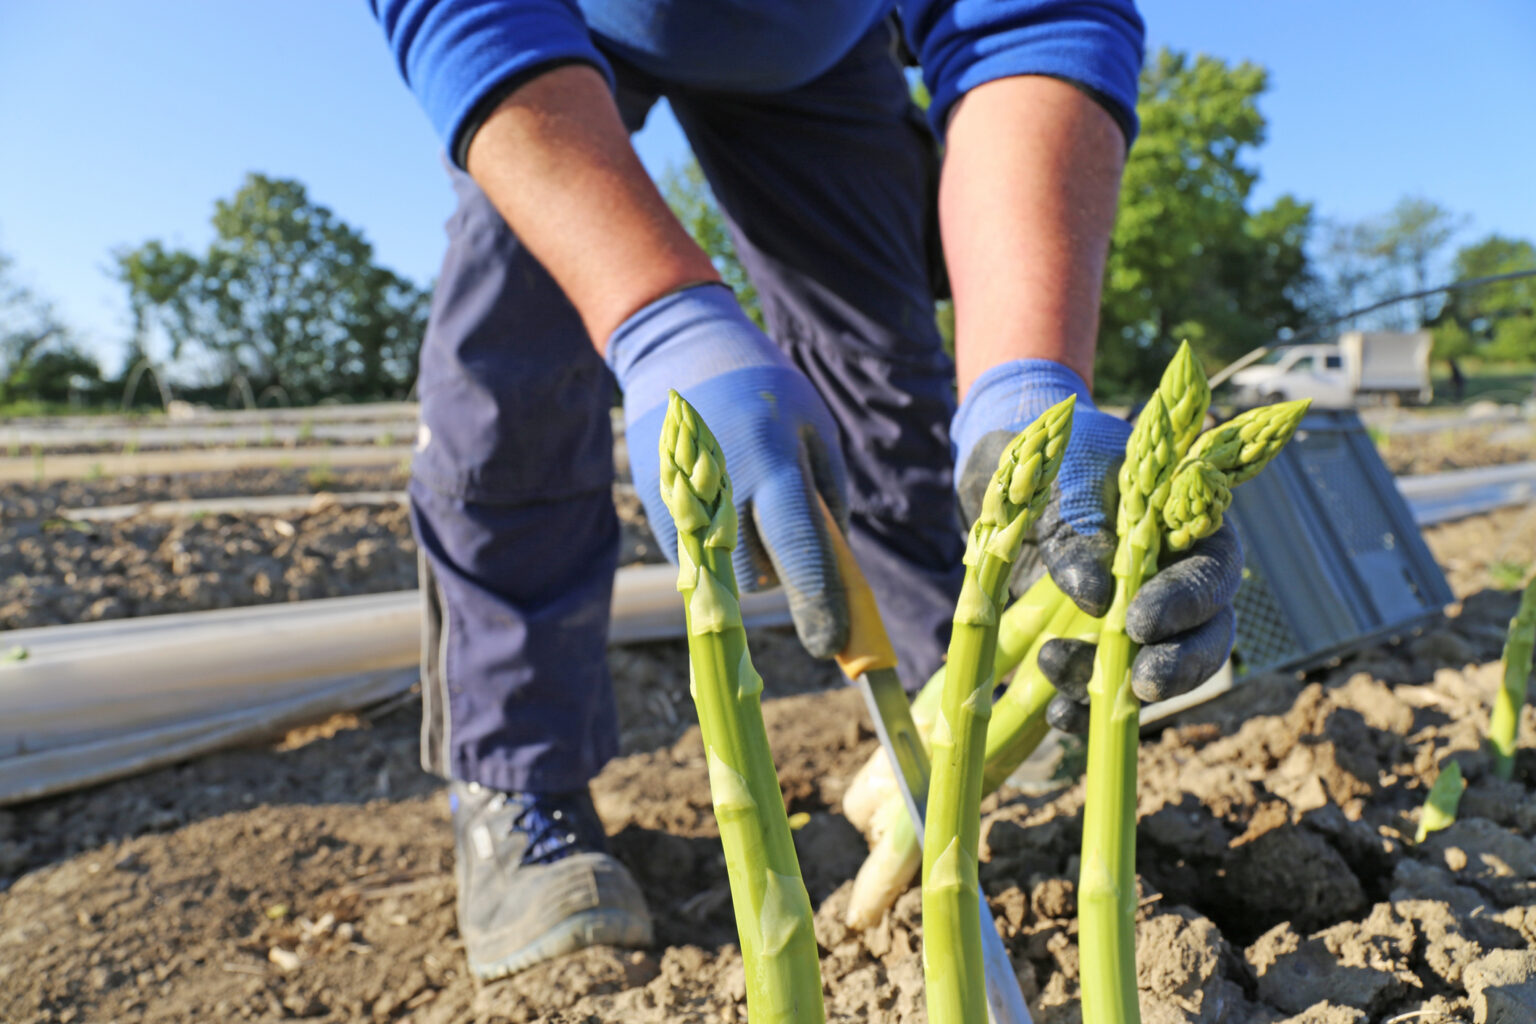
pixel 1182 616
pixel 780 443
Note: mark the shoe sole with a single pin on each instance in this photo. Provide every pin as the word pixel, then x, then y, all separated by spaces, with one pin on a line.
pixel 596 927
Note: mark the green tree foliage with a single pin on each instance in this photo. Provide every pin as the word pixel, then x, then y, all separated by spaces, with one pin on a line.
pixel 1409 240
pixel 1347 268
pixel 1380 257
pixel 1189 259
pixel 1495 321
pixel 38 359
pixel 287 294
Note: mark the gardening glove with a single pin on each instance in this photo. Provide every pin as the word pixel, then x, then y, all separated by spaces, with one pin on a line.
pixel 780 443
pixel 1182 617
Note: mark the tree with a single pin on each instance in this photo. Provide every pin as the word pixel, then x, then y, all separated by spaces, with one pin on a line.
pixel 1408 239
pixel 1391 254
pixel 1497 321
pixel 1189 260
pixel 1347 266
pixel 38 358
pixel 287 294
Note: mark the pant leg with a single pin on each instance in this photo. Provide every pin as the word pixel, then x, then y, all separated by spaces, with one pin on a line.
pixel 829 191
pixel 511 496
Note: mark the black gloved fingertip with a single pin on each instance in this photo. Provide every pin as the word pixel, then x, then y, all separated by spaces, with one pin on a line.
pixel 1166 670
pixel 1067 715
pixel 1068 664
pixel 1090 586
pixel 1159 673
pixel 821 625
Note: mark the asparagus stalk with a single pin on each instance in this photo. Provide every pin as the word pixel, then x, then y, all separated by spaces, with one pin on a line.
pixel 1016 728
pixel 1107 884
pixel 873 785
pixel 1440 807
pixel 1161 492
pixel 773 911
pixel 1023 624
pixel 1503 733
pixel 1018 720
pixel 952 962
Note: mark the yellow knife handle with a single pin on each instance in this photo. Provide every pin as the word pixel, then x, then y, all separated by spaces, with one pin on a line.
pixel 868 646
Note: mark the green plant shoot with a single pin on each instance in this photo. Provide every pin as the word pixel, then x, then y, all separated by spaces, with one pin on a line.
pixel 1440 806
pixel 1504 732
pixel 773 911
pixel 952 962
pixel 1175 484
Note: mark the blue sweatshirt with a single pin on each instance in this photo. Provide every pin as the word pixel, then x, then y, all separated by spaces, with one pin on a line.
pixel 457 55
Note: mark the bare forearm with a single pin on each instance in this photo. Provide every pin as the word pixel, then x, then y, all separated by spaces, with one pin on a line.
pixel 1026 206
pixel 556 161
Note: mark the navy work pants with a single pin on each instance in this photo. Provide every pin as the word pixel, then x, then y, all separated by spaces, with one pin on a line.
pixel 828 190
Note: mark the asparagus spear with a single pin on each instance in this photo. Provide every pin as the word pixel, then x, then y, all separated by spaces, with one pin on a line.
pixel 1440 806
pixel 773 912
pixel 1018 720
pixel 1161 492
pixel 1517 673
pixel 952 963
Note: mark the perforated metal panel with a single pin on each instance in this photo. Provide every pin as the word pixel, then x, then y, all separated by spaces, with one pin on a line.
pixel 1334 558
pixel 1264 637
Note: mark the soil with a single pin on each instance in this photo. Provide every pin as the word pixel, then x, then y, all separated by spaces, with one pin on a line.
pixel 1408 454
pixel 311 877
pixel 19 502
pixel 1497 549
pixel 55 571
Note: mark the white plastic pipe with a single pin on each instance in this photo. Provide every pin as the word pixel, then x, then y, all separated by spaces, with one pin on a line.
pixel 180 434
pixel 92 701
pixel 1455 494
pixel 132 750
pixel 86 466
pixel 264 504
pixel 361 412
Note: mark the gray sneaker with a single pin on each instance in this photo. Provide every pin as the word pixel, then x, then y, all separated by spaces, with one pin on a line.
pixel 536 880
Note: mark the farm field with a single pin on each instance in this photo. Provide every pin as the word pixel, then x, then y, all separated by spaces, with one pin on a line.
pixel 311 877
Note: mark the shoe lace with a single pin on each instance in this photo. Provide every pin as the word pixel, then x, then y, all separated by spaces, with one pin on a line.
pixel 555 827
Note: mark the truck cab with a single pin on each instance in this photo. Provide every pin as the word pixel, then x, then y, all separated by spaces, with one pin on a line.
pixel 1317 372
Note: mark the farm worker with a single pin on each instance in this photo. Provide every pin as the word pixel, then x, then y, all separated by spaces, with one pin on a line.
pixel 567 276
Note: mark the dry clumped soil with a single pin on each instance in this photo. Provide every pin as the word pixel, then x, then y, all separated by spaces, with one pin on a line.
pixel 311 878
pixel 56 570
pixel 1407 454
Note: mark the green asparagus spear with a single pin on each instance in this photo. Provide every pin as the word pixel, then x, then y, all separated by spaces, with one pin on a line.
pixel 1503 733
pixel 956 987
pixel 1440 807
pixel 1160 490
pixel 773 912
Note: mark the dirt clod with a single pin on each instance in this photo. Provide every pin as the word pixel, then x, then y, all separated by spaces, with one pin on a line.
pixel 1502 987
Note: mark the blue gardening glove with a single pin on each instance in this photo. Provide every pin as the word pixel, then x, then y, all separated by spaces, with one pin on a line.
pixel 1182 617
pixel 780 443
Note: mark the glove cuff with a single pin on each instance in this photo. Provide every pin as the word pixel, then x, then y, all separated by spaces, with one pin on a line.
pixel 1009 396
pixel 672 317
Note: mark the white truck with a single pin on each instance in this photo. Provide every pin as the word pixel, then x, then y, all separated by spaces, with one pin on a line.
pixel 1387 366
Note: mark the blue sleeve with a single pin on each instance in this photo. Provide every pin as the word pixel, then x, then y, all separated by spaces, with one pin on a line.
pixel 461 56
pixel 1094 44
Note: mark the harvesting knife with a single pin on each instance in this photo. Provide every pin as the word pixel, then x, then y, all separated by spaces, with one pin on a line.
pixel 869 661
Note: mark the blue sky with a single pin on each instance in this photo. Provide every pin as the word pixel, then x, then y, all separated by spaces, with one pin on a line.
pixel 122 121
